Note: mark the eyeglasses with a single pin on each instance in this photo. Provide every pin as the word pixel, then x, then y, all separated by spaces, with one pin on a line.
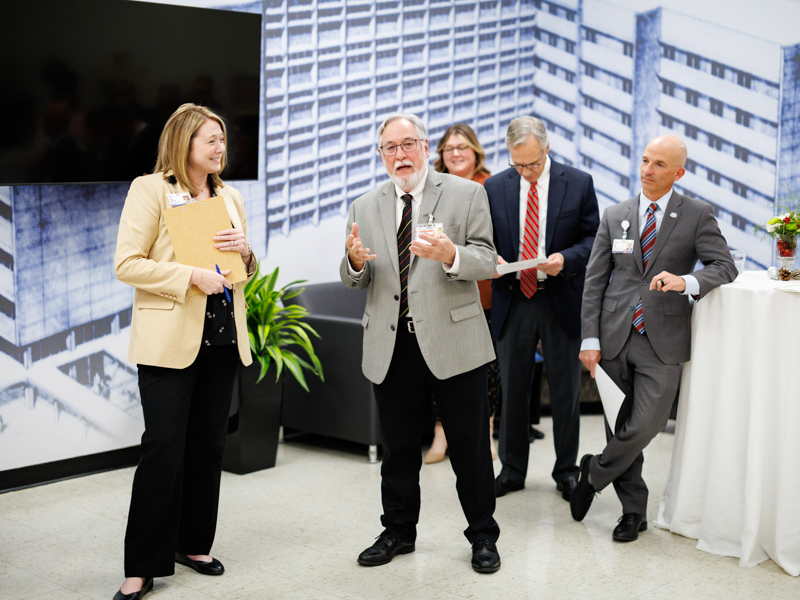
pixel 408 145
pixel 529 167
pixel 451 149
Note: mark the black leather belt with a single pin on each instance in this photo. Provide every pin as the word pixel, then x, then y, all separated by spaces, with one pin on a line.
pixel 516 285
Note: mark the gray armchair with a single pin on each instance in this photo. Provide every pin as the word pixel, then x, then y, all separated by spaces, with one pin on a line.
pixel 343 406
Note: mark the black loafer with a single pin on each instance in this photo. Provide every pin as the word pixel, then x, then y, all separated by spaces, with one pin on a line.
pixel 146 587
pixel 384 550
pixel 566 486
pixel 581 499
pixel 485 558
pixel 534 434
pixel 213 567
pixel 630 524
pixel 503 485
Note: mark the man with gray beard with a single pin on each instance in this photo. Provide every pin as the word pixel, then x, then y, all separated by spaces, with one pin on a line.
pixel 424 331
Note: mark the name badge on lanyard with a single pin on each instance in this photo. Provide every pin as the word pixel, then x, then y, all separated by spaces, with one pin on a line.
pixel 179 198
pixel 623 245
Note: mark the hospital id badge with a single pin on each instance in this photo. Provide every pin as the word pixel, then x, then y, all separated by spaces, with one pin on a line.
pixel 621 246
pixel 178 199
pixel 431 229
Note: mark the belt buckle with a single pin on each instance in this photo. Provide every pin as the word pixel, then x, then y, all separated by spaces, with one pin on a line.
pixel 410 325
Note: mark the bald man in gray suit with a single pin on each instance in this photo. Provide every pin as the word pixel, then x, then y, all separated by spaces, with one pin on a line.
pixel 635 319
pixel 424 331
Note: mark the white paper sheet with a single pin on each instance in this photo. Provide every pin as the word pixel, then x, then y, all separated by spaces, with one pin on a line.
pixel 610 395
pixel 519 265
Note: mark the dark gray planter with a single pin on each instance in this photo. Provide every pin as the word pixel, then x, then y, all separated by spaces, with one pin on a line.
pixel 255 421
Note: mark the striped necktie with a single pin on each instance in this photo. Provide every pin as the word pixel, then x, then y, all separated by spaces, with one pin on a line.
pixel 403 252
pixel 529 278
pixel 648 241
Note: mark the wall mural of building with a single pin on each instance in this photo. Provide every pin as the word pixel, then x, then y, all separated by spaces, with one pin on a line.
pixel 604 75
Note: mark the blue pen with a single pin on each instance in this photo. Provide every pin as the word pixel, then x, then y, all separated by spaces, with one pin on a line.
pixel 227 295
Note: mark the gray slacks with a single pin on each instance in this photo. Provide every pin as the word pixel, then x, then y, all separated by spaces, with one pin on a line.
pixel 650 387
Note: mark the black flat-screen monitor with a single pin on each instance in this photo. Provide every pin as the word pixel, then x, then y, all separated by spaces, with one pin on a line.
pixel 87 85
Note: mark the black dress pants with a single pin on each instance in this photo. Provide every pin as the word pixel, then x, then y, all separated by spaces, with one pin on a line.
pixel 528 321
pixel 176 487
pixel 464 411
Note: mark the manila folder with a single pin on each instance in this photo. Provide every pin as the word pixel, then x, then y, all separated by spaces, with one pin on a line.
pixel 192 228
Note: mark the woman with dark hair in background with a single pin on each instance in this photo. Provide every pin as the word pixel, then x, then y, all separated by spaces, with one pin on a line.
pixel 460 153
pixel 187 341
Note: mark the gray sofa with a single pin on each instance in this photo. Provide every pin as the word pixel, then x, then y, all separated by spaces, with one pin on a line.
pixel 343 406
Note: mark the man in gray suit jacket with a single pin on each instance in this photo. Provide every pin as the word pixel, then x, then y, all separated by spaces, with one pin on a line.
pixel 636 319
pixel 424 331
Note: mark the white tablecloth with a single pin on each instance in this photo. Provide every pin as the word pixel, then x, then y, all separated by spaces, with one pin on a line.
pixel 734 481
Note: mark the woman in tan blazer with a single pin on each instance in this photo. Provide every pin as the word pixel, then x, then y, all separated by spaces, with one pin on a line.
pixel 187 340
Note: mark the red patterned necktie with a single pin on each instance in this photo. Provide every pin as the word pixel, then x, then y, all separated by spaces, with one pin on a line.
pixel 529 278
pixel 648 241
pixel 403 252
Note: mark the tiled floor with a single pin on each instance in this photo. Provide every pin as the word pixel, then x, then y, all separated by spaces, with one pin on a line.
pixel 293 532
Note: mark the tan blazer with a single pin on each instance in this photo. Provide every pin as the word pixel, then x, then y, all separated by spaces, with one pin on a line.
pixel 167 323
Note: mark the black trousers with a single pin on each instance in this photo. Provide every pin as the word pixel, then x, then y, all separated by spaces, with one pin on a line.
pixel 176 487
pixel 528 321
pixel 464 411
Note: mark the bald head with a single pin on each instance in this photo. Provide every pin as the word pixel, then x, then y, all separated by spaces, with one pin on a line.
pixel 672 145
pixel 662 165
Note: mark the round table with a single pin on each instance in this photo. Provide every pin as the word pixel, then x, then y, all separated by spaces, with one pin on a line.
pixel 734 481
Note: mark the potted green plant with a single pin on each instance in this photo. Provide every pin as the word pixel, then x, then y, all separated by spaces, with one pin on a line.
pixel 280 343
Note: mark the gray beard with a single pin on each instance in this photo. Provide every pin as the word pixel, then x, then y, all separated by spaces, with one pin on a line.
pixel 412 181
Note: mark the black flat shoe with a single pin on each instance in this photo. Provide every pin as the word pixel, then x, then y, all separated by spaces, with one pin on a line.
pixel 213 567
pixel 503 485
pixel 384 550
pixel 581 499
pixel 485 558
pixel 147 586
pixel 630 524
pixel 566 486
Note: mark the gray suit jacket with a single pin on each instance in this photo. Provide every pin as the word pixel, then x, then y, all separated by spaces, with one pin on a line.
pixel 451 330
pixel 615 282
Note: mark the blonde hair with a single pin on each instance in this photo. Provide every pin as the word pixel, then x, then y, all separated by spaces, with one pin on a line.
pixel 466 132
pixel 175 144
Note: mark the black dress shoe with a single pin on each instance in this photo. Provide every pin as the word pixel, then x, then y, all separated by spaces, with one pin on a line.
pixel 630 524
pixel 584 493
pixel 566 486
pixel 485 558
pixel 503 485
pixel 534 434
pixel 384 550
pixel 212 567
pixel 146 587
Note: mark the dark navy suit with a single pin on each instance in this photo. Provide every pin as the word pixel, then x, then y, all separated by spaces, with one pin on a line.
pixel 552 315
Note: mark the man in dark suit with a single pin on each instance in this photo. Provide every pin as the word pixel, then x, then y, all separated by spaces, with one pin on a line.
pixel 424 331
pixel 636 322
pixel 540 208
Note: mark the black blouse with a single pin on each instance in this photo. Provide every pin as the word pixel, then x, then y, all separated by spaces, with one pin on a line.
pixel 219 328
